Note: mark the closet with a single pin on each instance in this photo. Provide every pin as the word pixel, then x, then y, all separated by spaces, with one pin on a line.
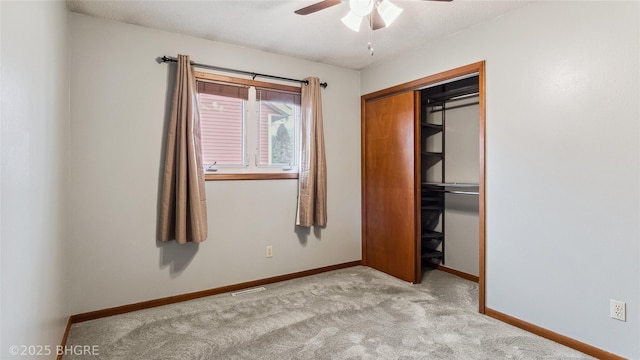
pixel 449 175
pixel 423 176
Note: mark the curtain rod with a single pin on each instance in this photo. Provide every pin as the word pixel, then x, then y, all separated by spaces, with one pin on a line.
pixel 165 59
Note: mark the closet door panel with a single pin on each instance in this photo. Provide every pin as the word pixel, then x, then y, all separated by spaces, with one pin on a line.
pixel 389 219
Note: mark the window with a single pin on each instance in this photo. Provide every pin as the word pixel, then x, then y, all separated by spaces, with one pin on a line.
pixel 249 129
pixel 279 119
pixel 222 110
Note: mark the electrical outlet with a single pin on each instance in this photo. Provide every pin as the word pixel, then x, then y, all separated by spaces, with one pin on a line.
pixel 618 310
pixel 269 251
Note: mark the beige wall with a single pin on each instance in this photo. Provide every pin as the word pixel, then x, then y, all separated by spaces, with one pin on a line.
pixel 118 107
pixel 34 174
pixel 562 161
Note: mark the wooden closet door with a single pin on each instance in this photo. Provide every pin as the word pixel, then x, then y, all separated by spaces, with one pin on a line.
pixel 389 191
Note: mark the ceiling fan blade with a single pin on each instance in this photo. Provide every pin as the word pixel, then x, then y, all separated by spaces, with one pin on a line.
pixel 317 7
pixel 375 20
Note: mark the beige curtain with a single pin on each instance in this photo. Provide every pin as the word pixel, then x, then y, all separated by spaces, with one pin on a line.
pixel 183 211
pixel 312 181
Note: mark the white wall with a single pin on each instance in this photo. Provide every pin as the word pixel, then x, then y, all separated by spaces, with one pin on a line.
pixel 461 233
pixel 562 161
pixel 34 157
pixel 118 109
pixel 462 165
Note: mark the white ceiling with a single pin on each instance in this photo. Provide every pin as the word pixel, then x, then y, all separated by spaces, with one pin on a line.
pixel 272 26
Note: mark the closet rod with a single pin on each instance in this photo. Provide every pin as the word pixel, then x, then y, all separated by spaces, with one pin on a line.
pixel 462 192
pixel 457 184
pixel 454 107
pixel 455 98
pixel 165 59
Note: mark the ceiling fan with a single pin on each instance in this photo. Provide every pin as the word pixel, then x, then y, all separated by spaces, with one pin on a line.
pixel 385 12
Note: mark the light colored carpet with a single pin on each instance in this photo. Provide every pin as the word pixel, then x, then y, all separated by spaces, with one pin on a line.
pixel 354 313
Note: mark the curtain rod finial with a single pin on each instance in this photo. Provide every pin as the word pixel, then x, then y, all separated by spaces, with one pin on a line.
pixel 163 59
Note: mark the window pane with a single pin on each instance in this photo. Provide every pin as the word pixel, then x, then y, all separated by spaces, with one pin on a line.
pixel 222 129
pixel 279 119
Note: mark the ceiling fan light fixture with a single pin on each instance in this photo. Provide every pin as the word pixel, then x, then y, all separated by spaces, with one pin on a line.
pixel 361 8
pixel 358 10
pixel 388 12
pixel 352 21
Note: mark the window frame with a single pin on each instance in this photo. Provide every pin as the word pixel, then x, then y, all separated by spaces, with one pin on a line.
pixel 293 174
